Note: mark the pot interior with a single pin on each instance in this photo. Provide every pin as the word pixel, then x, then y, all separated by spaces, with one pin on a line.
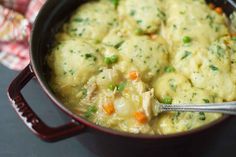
pixel 49 21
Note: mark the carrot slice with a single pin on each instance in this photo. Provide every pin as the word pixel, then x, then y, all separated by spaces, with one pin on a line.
pixel 233 35
pixel 219 10
pixel 109 108
pixel 133 75
pixel 140 117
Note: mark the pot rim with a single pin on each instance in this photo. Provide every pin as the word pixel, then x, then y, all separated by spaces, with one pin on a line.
pixel 89 124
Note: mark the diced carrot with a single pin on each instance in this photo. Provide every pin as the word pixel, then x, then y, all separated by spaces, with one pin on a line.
pixel 133 75
pixel 233 35
pixel 212 6
pixel 219 10
pixel 109 108
pixel 153 36
pixel 140 117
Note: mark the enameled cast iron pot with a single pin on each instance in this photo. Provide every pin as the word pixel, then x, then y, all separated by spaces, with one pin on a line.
pixel 103 141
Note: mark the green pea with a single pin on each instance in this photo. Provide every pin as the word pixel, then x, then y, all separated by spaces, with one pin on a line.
pixel 186 39
pixel 107 60
pixel 115 2
pixel 114 58
pixel 111 60
pixel 121 86
pixel 166 100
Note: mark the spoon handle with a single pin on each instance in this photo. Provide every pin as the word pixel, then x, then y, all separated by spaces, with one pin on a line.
pixel 226 107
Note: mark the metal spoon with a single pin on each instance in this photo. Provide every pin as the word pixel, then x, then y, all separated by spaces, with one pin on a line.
pixel 226 108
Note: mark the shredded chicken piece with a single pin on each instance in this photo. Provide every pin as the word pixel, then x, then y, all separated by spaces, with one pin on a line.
pixel 148 102
pixel 91 90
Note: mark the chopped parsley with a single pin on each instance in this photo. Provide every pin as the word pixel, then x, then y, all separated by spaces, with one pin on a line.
pixel 90 111
pixel 176 116
pixel 161 14
pixel 186 54
pixel 139 21
pixel 71 72
pixel 202 116
pixel 218 51
pixel 89 55
pixel 172 84
pixel 169 69
pixel 213 68
pixel 206 100
pixel 78 19
pixel 84 92
pixel 132 13
pixel 115 2
pixel 118 45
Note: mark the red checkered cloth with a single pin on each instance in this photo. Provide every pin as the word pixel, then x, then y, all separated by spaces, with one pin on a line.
pixel 16 18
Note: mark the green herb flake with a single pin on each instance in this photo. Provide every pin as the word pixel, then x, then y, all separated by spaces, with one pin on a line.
pixel 115 2
pixel 139 21
pixel 132 13
pixel 206 100
pixel 202 116
pixel 166 100
pixel 169 69
pixel 78 19
pixel 176 115
pixel 71 72
pixel 138 31
pixel 73 30
pixel 90 111
pixel 161 14
pixel 88 55
pixel 118 45
pixel 186 54
pixel 213 68
pixel 234 38
pixel 84 91
pixel 172 84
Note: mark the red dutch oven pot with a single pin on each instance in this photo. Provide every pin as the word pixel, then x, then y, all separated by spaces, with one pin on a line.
pixel 105 141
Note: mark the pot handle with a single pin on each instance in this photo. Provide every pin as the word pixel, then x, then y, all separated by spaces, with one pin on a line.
pixel 32 121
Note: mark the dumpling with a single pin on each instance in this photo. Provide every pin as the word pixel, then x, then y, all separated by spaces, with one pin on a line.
pixel 145 15
pixel 73 61
pixel 92 20
pixel 148 55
